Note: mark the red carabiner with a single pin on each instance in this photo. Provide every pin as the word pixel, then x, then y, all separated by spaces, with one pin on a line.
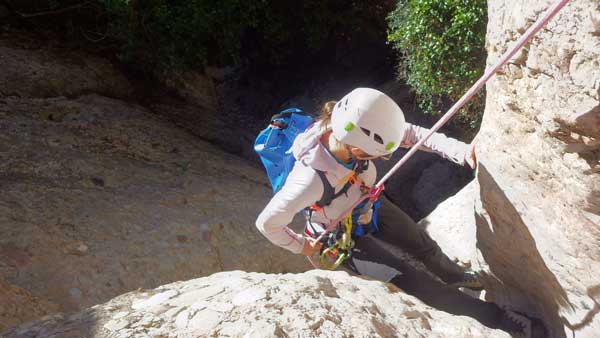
pixel 375 191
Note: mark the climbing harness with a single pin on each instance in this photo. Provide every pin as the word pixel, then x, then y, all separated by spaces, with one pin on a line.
pixel 339 246
pixel 374 193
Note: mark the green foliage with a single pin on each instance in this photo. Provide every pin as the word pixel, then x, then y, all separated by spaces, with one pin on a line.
pixel 179 33
pixel 191 33
pixel 185 33
pixel 441 43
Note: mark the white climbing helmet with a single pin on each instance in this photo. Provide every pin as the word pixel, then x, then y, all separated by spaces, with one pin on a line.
pixel 370 120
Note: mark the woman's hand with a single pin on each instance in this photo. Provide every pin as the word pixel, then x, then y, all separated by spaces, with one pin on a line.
pixel 470 157
pixel 310 246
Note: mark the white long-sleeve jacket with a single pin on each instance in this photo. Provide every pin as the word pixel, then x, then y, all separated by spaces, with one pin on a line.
pixel 303 186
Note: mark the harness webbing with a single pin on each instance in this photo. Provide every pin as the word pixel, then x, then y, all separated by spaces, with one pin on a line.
pixel 329 193
pixel 378 188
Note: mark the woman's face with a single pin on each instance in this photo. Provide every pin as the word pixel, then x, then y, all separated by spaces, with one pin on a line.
pixel 359 154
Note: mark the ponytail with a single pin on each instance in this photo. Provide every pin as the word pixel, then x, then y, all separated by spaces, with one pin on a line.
pixel 325 115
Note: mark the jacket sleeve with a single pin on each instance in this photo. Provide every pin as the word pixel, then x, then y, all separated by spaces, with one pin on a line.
pixel 438 143
pixel 302 188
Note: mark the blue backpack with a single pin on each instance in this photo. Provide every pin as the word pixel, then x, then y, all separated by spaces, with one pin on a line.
pixel 273 147
pixel 274 142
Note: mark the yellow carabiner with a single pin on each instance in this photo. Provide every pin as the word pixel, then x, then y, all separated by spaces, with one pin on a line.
pixel 340 248
pixel 346 241
pixel 339 259
pixel 348 224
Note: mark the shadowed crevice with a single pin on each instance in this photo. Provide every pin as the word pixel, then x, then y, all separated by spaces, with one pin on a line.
pixel 512 255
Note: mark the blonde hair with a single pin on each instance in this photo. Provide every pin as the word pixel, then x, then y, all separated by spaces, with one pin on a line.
pixel 325 118
pixel 325 114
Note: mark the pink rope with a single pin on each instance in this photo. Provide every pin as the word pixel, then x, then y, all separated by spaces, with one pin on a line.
pixel 550 12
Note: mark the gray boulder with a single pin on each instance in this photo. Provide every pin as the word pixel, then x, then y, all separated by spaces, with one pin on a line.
pixel 240 304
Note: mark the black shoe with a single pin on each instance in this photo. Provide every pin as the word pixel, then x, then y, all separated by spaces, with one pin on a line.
pixel 469 279
pixel 517 325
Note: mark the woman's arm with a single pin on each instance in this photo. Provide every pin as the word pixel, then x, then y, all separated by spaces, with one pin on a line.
pixel 447 147
pixel 302 188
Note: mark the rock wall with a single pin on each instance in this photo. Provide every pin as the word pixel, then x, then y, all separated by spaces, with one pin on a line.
pixel 19 306
pixel 240 304
pixel 100 196
pixel 532 219
pixel 31 68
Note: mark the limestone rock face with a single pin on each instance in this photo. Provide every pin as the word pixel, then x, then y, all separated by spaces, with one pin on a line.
pixel 240 304
pixel 100 197
pixel 196 88
pixel 534 211
pixel 35 71
pixel 19 306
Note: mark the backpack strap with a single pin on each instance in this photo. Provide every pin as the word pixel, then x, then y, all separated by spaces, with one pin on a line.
pixel 329 193
pixel 278 120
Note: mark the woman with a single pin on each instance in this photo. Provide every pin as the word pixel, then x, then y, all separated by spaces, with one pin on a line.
pixel 364 125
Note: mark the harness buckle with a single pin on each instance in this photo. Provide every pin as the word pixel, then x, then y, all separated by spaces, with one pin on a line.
pixel 279 124
pixel 352 180
pixel 315 207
